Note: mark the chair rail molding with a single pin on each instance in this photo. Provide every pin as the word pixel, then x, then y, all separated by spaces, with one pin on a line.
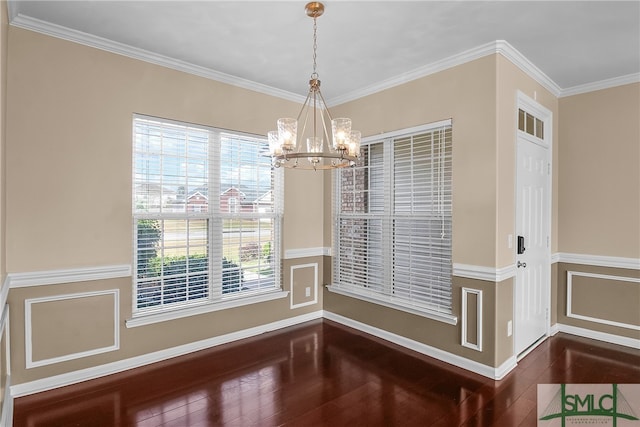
pixel 491 274
pixel 597 260
pixel 57 277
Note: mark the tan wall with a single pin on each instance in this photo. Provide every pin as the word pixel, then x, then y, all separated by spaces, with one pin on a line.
pixel 503 315
pixel 304 211
pixel 467 94
pixel 69 192
pixel 599 155
pixel 4 30
pixel 4 336
pixel 69 148
pixel 599 206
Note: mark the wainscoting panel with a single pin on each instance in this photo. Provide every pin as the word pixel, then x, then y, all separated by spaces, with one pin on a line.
pixel 472 318
pixel 606 299
pixel 304 285
pixel 65 327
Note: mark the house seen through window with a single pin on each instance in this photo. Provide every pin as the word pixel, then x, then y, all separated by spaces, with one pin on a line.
pixel 206 213
pixel 393 221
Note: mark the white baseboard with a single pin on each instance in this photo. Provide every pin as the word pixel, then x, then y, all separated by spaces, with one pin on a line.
pixel 600 336
pixel 453 359
pixel 146 359
pixel 508 366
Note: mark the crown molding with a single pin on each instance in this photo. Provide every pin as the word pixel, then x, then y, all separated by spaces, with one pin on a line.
pixel 520 61
pixel 435 67
pixel 501 47
pixel 107 45
pixel 602 84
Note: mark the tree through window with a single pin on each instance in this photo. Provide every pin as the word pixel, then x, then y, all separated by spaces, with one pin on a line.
pixel 190 242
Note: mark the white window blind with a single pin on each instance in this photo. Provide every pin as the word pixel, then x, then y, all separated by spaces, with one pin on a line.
pixel 207 211
pixel 392 232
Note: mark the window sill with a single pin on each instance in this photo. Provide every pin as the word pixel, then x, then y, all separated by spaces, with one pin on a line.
pixel 147 318
pixel 397 305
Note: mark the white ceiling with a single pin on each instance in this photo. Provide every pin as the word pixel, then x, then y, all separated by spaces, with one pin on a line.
pixel 360 43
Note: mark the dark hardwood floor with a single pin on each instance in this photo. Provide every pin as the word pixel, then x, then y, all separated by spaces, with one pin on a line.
pixel 321 373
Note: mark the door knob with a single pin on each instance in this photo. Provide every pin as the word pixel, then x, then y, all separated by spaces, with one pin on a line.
pixel 522 264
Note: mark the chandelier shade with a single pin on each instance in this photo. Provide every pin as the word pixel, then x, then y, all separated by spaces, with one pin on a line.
pixel 314 140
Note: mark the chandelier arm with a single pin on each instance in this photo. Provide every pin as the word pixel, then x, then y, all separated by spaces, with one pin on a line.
pixel 306 101
pixel 315 111
pixel 325 105
pixel 304 125
pixel 324 127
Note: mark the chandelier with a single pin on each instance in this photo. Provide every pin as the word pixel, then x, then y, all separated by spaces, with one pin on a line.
pixel 303 142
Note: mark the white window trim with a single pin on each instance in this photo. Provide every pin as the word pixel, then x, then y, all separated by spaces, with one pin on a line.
pixel 216 301
pixel 374 297
pixel 194 309
pixel 390 302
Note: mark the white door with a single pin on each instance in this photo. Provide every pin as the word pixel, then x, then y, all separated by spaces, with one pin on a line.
pixel 532 284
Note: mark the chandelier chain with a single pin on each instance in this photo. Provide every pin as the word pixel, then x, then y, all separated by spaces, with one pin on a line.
pixel 315 47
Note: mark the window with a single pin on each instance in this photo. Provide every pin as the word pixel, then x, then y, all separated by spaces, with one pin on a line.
pixel 233 205
pixel 190 247
pixel 530 124
pixel 393 222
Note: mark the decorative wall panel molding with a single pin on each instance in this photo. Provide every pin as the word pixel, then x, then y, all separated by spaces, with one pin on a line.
pixel 29 308
pixel 570 306
pixel 294 289
pixel 465 320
